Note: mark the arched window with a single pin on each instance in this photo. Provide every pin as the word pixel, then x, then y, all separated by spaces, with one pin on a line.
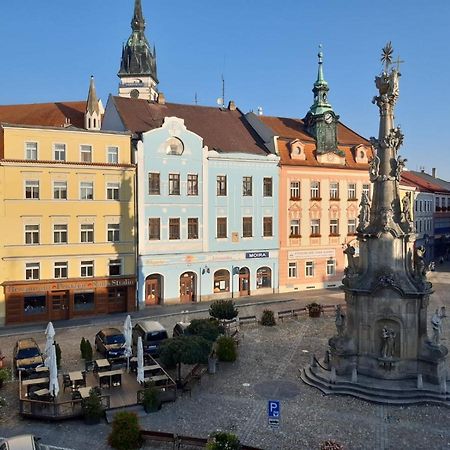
pixel 174 146
pixel 222 281
pixel 263 278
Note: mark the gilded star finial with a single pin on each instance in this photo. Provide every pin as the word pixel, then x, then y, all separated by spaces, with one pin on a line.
pixel 386 55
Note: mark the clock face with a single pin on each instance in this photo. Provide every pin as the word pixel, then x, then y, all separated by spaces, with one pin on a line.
pixel 328 118
pixel 134 93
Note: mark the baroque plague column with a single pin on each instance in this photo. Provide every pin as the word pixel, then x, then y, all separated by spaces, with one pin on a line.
pixel 382 351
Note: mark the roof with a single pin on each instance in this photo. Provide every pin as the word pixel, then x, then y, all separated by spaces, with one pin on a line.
pixel 289 129
pixel 26 343
pixel 423 181
pixel 150 325
pixel 45 114
pixel 111 331
pixel 223 130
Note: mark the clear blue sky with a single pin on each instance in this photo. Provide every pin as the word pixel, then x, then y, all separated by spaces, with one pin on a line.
pixel 265 48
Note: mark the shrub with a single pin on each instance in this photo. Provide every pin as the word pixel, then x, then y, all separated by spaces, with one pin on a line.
pixel 223 310
pixel 268 318
pixel 83 348
pixel 92 407
pixel 126 433
pixel 330 445
pixel 206 328
pixel 226 349
pixel 150 399
pixel 58 356
pixel 220 440
pixel 314 309
pixel 5 375
pixel 88 351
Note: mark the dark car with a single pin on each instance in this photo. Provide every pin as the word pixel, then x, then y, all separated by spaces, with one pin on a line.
pixel 152 334
pixel 110 342
pixel 27 355
pixel 181 329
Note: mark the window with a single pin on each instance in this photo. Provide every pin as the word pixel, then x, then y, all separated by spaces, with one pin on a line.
pixel 31 151
pixel 192 228
pixel 112 191
pixel 334 190
pixel 267 187
pixel 86 153
pixel 351 191
pixel 33 304
pixel 334 227
pixel 315 227
pixel 32 189
pixel 247 186
pixel 60 233
pixel 113 232
pixel 83 301
pixel 292 270
pixel 174 228
pixel 221 227
pixel 154 185
pixel 315 190
pixel 61 269
pixel 154 229
pixel 32 271
pixel 192 184
pixel 351 226
pixel 87 268
pixel 59 152
pixel 331 267
pixel 267 227
pixel 263 278
pixel 60 190
pixel 115 267
pixel 31 234
pixel 295 228
pixel 295 190
pixel 222 281
pixel 87 190
pixel 113 155
pixel 174 184
pixel 366 189
pixel 87 232
pixel 247 227
pixel 221 185
pixel 309 269
pixel 174 146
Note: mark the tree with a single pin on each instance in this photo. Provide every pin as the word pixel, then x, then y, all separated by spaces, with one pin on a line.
pixel 207 328
pixel 126 433
pixel 223 310
pixel 220 440
pixel 184 350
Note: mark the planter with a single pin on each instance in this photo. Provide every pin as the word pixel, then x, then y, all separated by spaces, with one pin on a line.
pixel 314 313
pixel 91 420
pixel 152 408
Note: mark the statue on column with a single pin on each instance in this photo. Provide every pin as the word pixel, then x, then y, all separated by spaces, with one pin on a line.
pixel 340 320
pixel 400 166
pixel 350 251
pixel 364 213
pixel 436 323
pixel 419 262
pixel 406 208
pixel 388 335
pixel 374 169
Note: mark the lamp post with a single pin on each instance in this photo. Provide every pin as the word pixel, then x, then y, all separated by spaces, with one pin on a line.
pixel 203 270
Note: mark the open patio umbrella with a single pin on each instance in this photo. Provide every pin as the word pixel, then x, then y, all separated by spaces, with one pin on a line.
pixel 127 332
pixel 140 361
pixel 50 333
pixel 53 372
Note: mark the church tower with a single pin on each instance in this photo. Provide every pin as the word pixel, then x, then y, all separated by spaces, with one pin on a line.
pixel 138 78
pixel 321 121
pixel 94 109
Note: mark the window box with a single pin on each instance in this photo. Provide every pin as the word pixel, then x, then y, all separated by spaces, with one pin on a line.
pixel 315 235
pixel 295 236
pixel 317 199
pixel 295 199
pixel 334 235
pixel 335 199
pixel 352 199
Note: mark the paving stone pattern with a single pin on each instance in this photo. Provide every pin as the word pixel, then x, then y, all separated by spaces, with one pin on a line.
pixel 235 398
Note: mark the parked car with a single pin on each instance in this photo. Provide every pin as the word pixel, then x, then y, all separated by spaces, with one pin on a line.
pixel 22 442
pixel 110 343
pixel 27 355
pixel 152 334
pixel 180 329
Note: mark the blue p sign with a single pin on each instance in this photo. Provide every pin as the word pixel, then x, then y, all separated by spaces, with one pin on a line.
pixel 274 408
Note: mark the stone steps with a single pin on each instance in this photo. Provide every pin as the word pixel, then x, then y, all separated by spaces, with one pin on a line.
pixel 376 394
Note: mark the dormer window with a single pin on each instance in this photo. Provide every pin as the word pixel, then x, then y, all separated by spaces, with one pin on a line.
pixel 297 150
pixel 174 147
pixel 360 152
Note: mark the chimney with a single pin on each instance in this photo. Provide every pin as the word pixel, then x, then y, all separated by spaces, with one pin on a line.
pixel 260 111
pixel 433 172
pixel 161 99
pixel 232 105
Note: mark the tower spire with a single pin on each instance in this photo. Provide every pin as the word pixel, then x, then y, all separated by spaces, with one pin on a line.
pixel 93 113
pixel 320 89
pixel 138 21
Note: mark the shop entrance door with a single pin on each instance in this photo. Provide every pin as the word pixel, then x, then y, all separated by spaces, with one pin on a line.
pixel 152 291
pixel 59 305
pixel 187 287
pixel 244 282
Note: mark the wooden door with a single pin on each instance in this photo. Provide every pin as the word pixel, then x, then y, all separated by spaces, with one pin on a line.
pixel 59 305
pixel 152 296
pixel 244 284
pixel 187 288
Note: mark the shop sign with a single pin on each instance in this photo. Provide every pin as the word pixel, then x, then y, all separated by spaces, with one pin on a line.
pixel 312 254
pixel 253 255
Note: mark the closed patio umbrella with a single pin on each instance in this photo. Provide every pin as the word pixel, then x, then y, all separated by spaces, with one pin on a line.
pixel 53 372
pixel 127 332
pixel 50 333
pixel 140 361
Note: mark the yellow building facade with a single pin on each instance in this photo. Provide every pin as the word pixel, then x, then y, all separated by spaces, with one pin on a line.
pixel 67 241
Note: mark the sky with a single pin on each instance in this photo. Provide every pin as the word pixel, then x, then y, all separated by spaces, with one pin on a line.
pixel 266 50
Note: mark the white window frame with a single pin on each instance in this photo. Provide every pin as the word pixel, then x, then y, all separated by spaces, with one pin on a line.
pixel 366 189
pixel 86 149
pixel 309 269
pixel 33 187
pixel 331 267
pixel 334 227
pixel 86 190
pixel 57 152
pixel 351 191
pixel 295 189
pixel 292 269
pixel 61 233
pixel 32 271
pixel 115 263
pixel 351 226
pixel 32 152
pixel 113 191
pixel 61 269
pixel 112 154
pixel 33 233
pixel 334 190
pixel 87 233
pixel 315 190
pixel 294 225
pixel 113 232
pixel 87 269
pixel 59 187
pixel 315 225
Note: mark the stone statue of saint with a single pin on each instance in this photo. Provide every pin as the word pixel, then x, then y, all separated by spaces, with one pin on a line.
pixel 374 169
pixel 350 252
pixel 364 212
pixel 436 323
pixel 419 262
pixel 406 206
pixel 393 89
pixel 340 320
pixel 401 163
pixel 388 336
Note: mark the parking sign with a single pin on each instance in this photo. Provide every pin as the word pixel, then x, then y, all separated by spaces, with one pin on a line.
pixel 273 413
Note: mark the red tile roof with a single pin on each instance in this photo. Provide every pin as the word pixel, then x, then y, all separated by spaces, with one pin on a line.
pixel 44 114
pixel 221 129
pixel 289 129
pixel 422 184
